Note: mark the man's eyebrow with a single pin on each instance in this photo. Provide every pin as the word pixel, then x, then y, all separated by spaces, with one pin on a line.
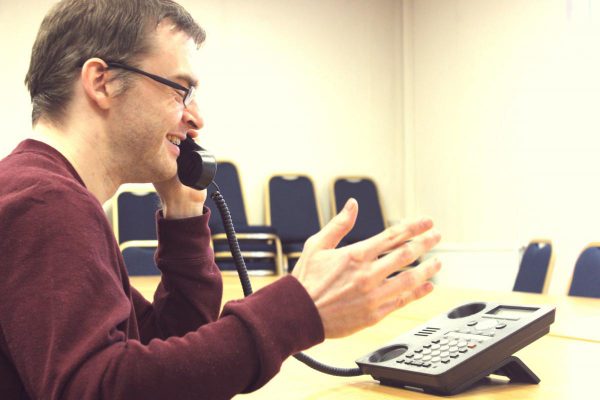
pixel 185 77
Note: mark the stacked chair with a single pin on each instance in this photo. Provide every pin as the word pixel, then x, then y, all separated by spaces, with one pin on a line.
pixel 133 212
pixel 291 208
pixel 260 246
pixel 139 257
pixel 535 268
pixel 371 220
pixel 586 275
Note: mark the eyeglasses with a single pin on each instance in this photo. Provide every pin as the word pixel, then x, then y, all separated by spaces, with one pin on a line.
pixel 189 92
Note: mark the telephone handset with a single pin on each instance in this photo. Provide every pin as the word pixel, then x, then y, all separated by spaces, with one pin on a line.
pixel 445 356
pixel 196 167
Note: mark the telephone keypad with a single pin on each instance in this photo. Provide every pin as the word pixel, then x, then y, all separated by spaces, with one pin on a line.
pixel 452 344
pixel 440 350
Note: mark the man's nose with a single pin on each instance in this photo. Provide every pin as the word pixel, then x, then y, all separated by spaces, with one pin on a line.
pixel 191 116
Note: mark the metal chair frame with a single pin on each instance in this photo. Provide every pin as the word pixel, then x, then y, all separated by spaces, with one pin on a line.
pixel 268 237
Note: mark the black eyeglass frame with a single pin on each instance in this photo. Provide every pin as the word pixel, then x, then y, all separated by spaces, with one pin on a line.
pixel 189 92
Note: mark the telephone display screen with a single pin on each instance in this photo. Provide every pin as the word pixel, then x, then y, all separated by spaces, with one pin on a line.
pixel 511 312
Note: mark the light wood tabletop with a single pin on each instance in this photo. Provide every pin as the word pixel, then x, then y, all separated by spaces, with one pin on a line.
pixel 566 360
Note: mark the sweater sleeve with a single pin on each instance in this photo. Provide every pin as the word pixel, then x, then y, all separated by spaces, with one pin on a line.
pixel 190 291
pixel 66 317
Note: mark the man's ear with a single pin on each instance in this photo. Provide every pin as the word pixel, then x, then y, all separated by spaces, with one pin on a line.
pixel 96 83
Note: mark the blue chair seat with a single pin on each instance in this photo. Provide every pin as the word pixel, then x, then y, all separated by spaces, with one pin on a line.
pixel 294 247
pixel 586 274
pixel 255 265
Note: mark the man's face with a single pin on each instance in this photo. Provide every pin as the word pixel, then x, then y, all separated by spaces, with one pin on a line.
pixel 150 116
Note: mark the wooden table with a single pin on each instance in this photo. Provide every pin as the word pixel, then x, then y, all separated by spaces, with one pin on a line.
pixel 566 360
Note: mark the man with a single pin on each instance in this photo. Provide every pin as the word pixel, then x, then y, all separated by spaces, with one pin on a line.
pixel 112 86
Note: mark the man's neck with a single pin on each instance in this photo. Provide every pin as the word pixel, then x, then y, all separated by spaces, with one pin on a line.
pixel 84 155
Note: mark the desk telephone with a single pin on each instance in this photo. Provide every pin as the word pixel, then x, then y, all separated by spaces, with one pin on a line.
pixel 444 356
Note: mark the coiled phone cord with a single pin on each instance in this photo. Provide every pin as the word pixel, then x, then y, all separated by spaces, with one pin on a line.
pixel 240 265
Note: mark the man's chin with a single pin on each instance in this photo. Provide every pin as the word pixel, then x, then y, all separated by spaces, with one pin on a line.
pixel 166 175
pixel 155 175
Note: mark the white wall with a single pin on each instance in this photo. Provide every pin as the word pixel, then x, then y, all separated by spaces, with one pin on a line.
pixel 19 22
pixel 304 86
pixel 505 122
pixel 480 113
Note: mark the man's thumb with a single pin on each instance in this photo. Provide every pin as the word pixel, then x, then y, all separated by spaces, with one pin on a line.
pixel 339 226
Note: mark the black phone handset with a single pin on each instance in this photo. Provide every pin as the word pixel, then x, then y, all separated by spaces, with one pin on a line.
pixel 196 168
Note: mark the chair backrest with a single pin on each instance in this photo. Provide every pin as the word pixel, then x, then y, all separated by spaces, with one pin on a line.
pixel 535 268
pixel 370 220
pixel 139 257
pixel 134 213
pixel 227 178
pixel 292 208
pixel 586 274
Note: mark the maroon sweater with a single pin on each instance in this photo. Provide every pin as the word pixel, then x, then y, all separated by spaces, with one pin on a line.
pixel 72 327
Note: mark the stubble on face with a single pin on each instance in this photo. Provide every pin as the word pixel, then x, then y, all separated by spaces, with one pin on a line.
pixel 147 112
pixel 138 142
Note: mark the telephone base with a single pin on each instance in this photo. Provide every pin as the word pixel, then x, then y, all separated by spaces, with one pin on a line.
pixel 512 368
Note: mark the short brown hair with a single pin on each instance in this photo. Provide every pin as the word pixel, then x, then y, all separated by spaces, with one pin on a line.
pixel 77 30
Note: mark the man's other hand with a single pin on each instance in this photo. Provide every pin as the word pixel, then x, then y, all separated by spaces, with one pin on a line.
pixel 351 286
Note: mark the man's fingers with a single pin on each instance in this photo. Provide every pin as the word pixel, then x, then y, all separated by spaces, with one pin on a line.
pixel 332 233
pixel 408 285
pixel 407 281
pixel 389 239
pixel 404 299
pixel 406 254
